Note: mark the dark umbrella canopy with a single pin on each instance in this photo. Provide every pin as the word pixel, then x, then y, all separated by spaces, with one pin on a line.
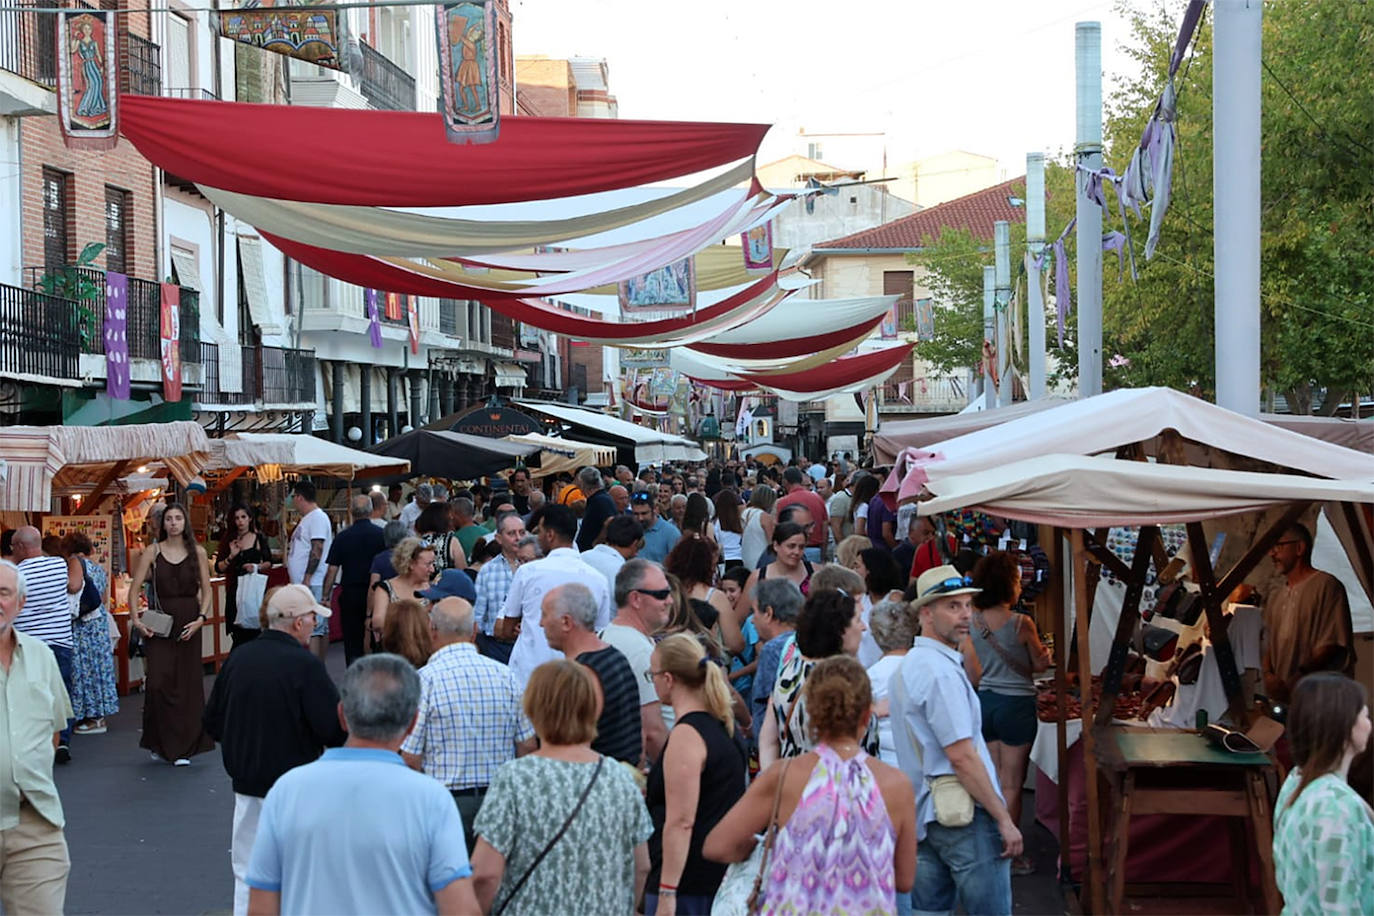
pixel 455 456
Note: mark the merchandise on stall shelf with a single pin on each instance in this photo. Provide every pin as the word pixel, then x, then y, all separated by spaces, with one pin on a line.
pixel 1129 702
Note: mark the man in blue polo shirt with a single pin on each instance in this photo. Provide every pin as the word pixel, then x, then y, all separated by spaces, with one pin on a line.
pixel 660 535
pixel 325 825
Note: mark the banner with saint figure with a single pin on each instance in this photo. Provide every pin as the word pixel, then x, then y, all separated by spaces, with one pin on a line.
pixel 468 87
pixel 290 27
pixel 87 79
pixel 169 339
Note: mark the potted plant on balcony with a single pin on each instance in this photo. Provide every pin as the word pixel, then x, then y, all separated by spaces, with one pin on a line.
pixel 78 283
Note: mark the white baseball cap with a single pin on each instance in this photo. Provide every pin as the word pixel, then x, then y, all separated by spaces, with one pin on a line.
pixel 295 601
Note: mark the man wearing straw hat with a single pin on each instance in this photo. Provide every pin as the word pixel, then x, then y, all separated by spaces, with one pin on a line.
pixel 966 836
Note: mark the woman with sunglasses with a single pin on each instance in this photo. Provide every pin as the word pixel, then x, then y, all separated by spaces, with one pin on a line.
pixel 243 550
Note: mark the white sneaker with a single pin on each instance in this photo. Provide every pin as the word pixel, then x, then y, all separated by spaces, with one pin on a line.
pixel 181 762
pixel 156 755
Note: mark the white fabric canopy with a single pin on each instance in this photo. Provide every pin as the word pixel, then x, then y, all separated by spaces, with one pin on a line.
pixel 559 455
pixel 650 445
pixel 806 318
pixel 895 435
pixel 1108 421
pixel 270 455
pixel 1081 492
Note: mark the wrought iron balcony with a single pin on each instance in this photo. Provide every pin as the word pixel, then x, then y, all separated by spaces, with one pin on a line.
pixel 185 92
pixel 86 286
pixel 271 376
pixel 39 334
pixel 28 45
pixel 142 71
pixel 385 84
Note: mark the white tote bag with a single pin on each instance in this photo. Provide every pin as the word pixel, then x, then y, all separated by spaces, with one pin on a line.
pixel 252 586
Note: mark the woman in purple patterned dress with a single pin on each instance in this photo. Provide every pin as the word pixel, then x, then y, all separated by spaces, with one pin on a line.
pixel 846 840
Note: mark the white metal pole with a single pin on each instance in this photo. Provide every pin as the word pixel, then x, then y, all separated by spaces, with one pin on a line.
pixel 1001 249
pixel 1088 154
pixel 1236 191
pixel 1035 244
pixel 989 333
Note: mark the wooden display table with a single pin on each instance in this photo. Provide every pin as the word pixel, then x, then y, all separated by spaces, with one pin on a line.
pixel 1178 772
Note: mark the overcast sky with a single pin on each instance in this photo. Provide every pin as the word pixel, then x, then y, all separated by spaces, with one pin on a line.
pixel 988 76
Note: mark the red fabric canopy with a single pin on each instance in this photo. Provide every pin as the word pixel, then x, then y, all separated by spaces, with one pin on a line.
pixel 795 346
pixel 403 159
pixel 373 274
pixel 848 370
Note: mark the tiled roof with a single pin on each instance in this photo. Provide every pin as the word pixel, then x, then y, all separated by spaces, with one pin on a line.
pixel 974 212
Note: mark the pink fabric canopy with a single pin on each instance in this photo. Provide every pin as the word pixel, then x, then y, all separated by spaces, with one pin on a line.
pixel 407 161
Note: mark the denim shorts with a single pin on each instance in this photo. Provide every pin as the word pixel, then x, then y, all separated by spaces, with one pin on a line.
pixel 321 625
pixel 1008 719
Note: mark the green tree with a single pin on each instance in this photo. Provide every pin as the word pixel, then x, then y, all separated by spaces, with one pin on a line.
pixel 1317 244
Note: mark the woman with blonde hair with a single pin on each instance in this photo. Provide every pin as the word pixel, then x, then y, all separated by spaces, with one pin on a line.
pixel 848 550
pixel 846 834
pixel 414 565
pixel 561 830
pixel 706 762
pixel 405 631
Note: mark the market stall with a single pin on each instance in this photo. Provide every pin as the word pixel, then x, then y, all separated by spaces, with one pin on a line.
pixel 558 456
pixel 1128 770
pixel 634 444
pixel 273 456
pixel 454 456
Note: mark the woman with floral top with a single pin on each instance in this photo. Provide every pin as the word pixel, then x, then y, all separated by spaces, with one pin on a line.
pixel 1323 830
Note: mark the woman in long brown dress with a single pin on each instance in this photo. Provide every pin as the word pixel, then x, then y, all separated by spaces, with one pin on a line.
pixel 173 677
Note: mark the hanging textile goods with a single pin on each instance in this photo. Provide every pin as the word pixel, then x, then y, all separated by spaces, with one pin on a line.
pixel 407 162
pixel 294 28
pixel 468 77
pixel 88 79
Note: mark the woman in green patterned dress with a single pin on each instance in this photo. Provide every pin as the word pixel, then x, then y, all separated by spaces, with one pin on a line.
pixel 1323 830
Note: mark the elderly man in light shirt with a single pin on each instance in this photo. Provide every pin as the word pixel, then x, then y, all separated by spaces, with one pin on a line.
pixel 937 724
pixel 556 527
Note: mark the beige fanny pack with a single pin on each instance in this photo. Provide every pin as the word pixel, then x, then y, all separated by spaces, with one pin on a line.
pixel 953 805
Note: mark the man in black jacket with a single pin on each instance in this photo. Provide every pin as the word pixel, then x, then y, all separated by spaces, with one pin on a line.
pixel 273 707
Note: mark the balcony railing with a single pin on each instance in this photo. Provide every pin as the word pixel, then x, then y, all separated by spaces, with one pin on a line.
pixel 28 45
pixel 39 334
pixel 288 376
pixel 142 66
pixel 938 394
pixel 449 312
pixel 144 321
pixel 271 375
pixel 185 92
pixel 386 85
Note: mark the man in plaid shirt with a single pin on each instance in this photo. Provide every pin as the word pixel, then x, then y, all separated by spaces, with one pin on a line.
pixel 493 584
pixel 470 719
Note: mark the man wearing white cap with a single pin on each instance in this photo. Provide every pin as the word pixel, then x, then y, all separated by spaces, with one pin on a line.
pixel 966 838
pixel 273 707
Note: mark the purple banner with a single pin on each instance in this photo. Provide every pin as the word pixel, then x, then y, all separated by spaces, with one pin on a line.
pixel 374 320
pixel 116 336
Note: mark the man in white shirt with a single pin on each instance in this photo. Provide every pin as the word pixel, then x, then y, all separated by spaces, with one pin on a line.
pixel 556 527
pixel 305 555
pixel 418 500
pixel 624 537
pixel 643 601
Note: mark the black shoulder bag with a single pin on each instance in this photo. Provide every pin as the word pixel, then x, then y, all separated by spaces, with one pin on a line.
pixel 552 842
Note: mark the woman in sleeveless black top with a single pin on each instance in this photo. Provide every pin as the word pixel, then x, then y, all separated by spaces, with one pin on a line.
pixel 706 761
pixel 243 549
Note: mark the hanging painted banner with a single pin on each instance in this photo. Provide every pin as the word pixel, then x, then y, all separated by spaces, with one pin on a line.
pixel 670 290
pixel 393 307
pixel 170 338
pixel 925 319
pixel 887 330
pixel 758 248
pixel 87 79
pixel 413 319
pixel 374 320
pixel 468 87
pixel 117 377
pixel 287 27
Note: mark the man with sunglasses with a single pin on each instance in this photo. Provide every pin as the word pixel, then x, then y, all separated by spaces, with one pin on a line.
pixel 937 725
pixel 643 602
pixel 1307 625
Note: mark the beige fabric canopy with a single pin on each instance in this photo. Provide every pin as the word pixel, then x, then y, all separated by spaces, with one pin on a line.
pixel 1075 491
pixel 47 459
pixel 560 455
pixel 273 455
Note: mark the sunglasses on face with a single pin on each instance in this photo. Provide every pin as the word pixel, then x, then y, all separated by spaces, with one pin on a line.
pixel 948 585
pixel 659 593
pixel 644 498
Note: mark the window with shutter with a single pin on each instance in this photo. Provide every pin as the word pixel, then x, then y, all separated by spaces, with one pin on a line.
pixel 117 255
pixel 57 216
